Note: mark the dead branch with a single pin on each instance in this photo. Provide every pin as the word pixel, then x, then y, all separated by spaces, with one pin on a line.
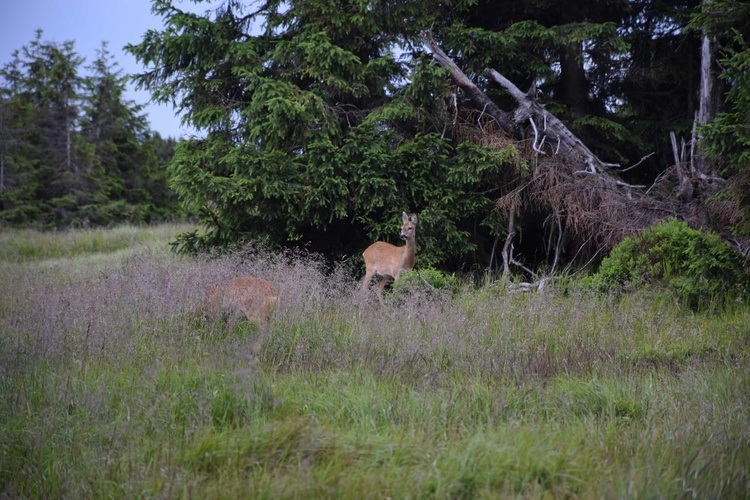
pixel 478 98
pixel 508 247
pixel 631 167
pixel 528 109
pixel 685 190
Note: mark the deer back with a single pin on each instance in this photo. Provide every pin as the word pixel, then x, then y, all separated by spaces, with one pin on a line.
pixel 256 298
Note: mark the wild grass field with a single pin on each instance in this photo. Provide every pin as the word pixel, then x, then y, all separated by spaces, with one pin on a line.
pixel 113 383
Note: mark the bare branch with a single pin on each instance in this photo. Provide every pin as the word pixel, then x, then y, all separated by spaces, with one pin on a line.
pixel 631 167
pixel 528 108
pixel 480 100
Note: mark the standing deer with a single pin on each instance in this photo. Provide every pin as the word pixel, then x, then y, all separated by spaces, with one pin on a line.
pixel 255 297
pixel 387 261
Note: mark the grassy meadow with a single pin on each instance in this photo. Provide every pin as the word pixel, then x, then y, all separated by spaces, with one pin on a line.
pixel 113 383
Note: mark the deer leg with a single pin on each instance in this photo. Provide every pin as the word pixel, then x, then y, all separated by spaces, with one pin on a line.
pixel 366 281
pixel 384 280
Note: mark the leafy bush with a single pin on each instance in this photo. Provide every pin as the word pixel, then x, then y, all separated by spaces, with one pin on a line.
pixel 697 267
pixel 411 281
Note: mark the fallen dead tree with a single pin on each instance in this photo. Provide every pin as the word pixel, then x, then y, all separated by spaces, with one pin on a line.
pixel 588 207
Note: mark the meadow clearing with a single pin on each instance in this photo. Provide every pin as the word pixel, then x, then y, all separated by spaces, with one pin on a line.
pixel 113 383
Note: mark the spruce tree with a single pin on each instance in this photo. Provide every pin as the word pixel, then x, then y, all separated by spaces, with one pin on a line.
pixel 311 132
pixel 73 150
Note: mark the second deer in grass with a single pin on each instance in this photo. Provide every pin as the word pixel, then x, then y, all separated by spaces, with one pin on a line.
pixel 388 261
pixel 254 297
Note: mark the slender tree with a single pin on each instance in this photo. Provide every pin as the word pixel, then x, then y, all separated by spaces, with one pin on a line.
pixel 123 171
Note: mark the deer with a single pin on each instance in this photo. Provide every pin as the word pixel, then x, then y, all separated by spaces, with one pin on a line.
pixel 256 298
pixel 389 261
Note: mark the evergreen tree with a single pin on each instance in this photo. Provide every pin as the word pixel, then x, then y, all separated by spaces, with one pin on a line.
pixel 18 181
pixel 72 149
pixel 125 175
pixel 312 135
pixel 54 84
pixel 42 94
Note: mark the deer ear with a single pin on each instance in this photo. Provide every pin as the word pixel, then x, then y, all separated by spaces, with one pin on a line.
pixel 404 217
pixel 414 218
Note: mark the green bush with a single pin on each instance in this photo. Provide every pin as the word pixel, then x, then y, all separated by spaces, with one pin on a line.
pixel 697 267
pixel 411 281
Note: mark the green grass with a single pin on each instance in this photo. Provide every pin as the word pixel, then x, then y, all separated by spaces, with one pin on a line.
pixel 24 245
pixel 114 384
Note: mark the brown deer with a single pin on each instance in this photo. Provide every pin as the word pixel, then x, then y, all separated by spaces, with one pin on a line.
pixel 388 261
pixel 256 298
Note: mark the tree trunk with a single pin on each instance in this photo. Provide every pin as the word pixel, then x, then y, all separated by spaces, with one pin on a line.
pixel 573 83
pixel 709 103
pixel 508 247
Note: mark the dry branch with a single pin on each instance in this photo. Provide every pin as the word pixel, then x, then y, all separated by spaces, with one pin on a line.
pixel 554 129
pixel 478 98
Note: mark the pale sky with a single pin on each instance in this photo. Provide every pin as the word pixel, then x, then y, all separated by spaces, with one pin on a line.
pixel 88 23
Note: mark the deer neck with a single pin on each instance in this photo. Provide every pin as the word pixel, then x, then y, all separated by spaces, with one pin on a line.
pixel 407 253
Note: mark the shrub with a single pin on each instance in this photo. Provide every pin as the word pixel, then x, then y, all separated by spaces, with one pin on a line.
pixel 411 281
pixel 697 267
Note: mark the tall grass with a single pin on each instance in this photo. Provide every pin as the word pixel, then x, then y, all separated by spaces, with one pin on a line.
pixel 113 383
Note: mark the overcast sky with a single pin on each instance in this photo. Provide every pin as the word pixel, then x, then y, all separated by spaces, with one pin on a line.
pixel 88 23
